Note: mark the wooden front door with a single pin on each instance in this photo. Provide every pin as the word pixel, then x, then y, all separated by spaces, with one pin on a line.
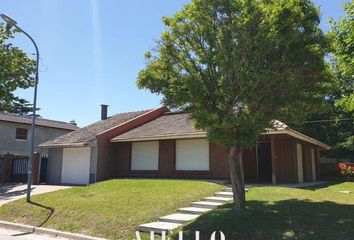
pixel 264 157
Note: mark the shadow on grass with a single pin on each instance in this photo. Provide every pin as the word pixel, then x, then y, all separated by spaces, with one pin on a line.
pixel 320 186
pixel 287 219
pixel 51 211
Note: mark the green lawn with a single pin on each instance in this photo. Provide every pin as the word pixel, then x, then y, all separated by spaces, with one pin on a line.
pixel 111 209
pixel 282 213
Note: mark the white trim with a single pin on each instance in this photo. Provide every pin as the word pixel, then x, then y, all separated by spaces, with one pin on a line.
pixel 67 145
pixel 161 137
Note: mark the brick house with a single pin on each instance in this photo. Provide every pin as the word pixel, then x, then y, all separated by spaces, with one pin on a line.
pixel 163 144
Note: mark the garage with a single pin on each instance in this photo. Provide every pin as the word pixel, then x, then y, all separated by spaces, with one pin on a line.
pixel 76 165
pixel 192 155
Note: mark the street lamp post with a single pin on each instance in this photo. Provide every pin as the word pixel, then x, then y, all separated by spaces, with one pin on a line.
pixel 12 23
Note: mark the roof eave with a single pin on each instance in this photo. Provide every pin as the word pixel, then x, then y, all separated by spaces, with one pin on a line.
pixel 290 132
pixel 66 145
pixel 160 137
pixel 300 136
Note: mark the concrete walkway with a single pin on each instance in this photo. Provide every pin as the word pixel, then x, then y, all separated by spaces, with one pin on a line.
pixel 185 215
pixel 14 191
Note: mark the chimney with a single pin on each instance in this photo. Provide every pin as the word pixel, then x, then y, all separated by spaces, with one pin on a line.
pixel 73 122
pixel 104 108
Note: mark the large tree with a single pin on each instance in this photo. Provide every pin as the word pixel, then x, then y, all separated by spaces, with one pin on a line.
pixel 235 65
pixel 16 69
pixel 335 125
pixel 343 32
pixel 343 50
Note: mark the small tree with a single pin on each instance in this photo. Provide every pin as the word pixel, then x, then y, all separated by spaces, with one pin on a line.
pixel 16 69
pixel 235 65
pixel 22 107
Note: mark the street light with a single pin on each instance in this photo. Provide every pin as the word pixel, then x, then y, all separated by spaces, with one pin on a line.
pixel 12 23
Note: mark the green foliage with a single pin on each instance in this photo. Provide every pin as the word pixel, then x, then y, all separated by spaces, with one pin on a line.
pixel 22 107
pixel 237 65
pixel 343 32
pixel 16 69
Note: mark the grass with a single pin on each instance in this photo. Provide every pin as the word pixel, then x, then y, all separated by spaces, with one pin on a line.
pixel 111 209
pixel 283 213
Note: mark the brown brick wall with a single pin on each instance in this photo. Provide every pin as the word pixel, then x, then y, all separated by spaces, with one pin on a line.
pixel 106 162
pixel 284 154
pixel 217 160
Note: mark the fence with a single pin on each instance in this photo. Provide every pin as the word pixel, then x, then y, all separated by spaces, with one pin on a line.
pixel 19 170
pixel 15 168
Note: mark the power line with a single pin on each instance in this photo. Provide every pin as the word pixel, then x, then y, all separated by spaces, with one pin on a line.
pixel 330 120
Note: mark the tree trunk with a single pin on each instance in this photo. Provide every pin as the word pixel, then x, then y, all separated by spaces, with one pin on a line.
pixel 237 176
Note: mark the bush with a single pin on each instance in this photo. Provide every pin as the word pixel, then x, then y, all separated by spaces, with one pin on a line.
pixel 346 170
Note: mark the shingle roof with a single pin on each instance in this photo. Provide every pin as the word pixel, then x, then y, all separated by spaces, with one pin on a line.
pixel 8 117
pixel 169 124
pixel 87 135
pixel 179 125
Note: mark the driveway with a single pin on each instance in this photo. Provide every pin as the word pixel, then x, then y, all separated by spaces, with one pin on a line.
pixel 13 191
pixel 7 234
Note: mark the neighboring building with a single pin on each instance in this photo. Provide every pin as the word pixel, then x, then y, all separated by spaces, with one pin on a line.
pixel 15 132
pixel 159 143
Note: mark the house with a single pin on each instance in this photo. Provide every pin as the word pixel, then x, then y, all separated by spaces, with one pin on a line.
pixel 15 132
pixel 164 144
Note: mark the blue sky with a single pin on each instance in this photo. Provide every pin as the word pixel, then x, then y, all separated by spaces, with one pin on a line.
pixel 91 51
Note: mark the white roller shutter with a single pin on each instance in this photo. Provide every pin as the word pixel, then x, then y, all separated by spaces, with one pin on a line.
pixel 76 165
pixel 145 155
pixel 192 155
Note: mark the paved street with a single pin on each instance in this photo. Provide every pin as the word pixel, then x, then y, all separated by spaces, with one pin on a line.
pixel 6 234
pixel 13 191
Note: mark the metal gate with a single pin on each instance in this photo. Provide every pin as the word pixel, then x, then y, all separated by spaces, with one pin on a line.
pixel 19 170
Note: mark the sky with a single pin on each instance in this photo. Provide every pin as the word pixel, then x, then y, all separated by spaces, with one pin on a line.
pixel 91 51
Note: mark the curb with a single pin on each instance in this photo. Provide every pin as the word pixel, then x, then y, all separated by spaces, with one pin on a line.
pixel 46 231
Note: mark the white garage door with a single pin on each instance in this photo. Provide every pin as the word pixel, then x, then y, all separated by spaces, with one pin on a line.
pixel 76 166
pixel 145 155
pixel 192 155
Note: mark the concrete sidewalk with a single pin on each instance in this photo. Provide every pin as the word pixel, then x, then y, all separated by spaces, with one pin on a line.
pixel 8 234
pixel 14 191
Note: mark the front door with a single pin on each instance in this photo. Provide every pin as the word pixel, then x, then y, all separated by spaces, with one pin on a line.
pixel 264 156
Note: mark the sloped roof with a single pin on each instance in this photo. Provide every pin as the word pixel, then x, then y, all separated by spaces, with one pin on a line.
pixel 168 125
pixel 9 117
pixel 87 135
pixel 179 125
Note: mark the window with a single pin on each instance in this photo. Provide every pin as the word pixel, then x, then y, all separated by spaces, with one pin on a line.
pixel 145 156
pixel 21 133
pixel 192 155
